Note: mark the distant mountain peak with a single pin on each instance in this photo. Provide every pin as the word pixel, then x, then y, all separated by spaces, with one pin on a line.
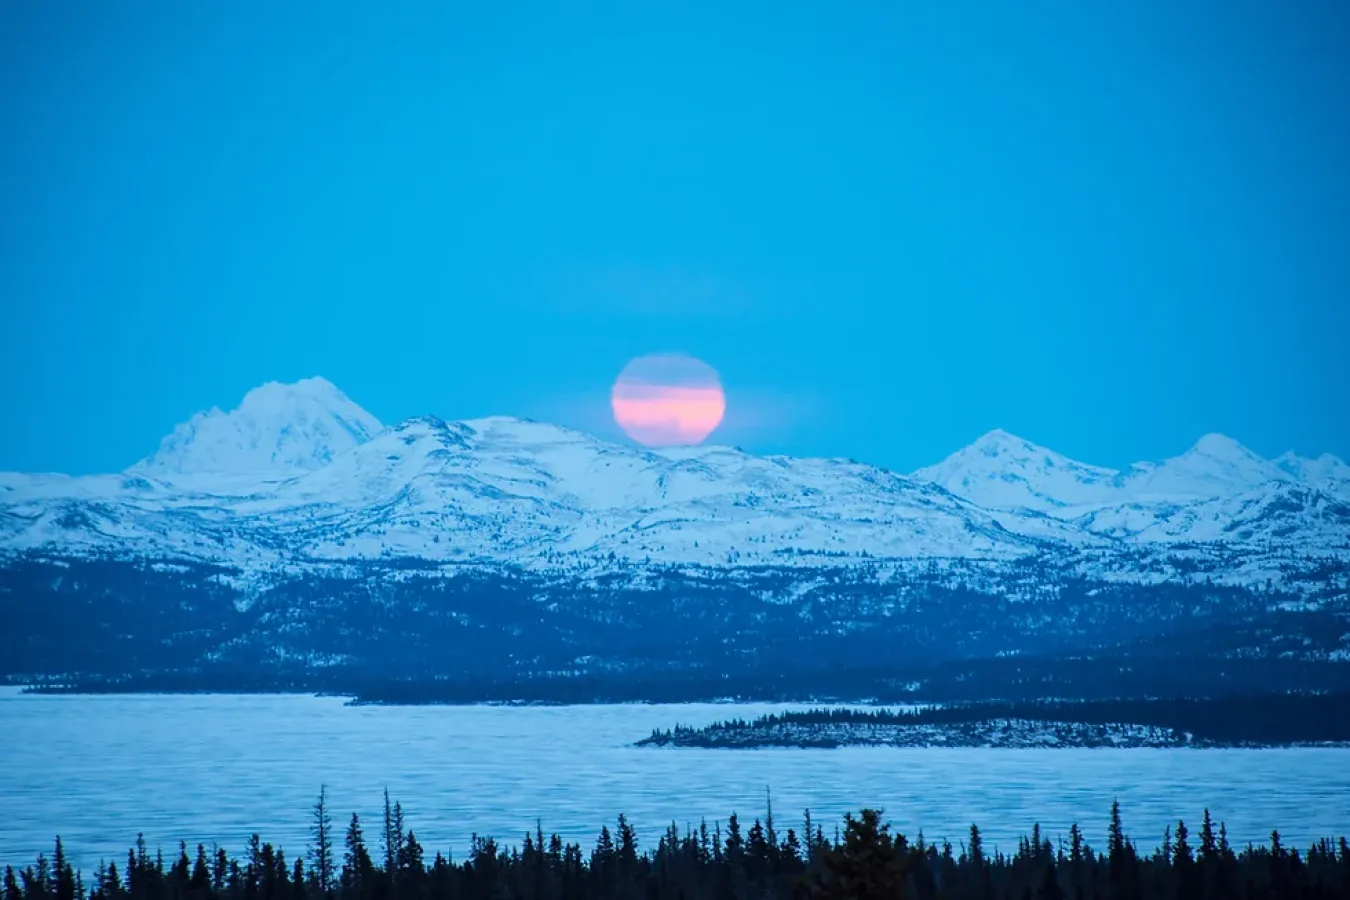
pixel 1003 471
pixel 1327 472
pixel 277 429
pixel 1000 443
pixel 1215 466
pixel 1222 447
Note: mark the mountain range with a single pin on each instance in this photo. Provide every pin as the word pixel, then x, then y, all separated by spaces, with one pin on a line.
pixel 298 474
pixel 296 540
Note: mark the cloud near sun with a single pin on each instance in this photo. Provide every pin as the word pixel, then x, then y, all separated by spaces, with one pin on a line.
pixel 668 400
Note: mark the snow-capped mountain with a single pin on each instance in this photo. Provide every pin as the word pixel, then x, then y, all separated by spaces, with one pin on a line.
pixel 1217 466
pixel 1001 471
pixel 512 489
pixel 300 475
pixel 278 429
pixel 1326 472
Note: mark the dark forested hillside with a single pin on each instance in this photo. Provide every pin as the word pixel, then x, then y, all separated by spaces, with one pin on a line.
pixel 403 631
pixel 762 860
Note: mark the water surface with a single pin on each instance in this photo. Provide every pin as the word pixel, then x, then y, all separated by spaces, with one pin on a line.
pixel 99 769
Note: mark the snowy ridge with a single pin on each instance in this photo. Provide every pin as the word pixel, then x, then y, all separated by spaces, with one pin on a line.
pixel 300 475
pixel 1001 471
pixel 1326 473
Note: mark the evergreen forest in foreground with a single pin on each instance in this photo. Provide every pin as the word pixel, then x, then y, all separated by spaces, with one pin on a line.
pixel 860 860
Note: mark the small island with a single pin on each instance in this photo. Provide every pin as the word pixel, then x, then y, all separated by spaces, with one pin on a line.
pixel 1270 720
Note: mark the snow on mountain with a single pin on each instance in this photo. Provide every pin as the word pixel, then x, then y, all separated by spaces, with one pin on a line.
pixel 1218 491
pixel 1217 466
pixel 1326 472
pixel 1259 517
pixel 276 429
pixel 300 475
pixel 1003 471
pixel 526 491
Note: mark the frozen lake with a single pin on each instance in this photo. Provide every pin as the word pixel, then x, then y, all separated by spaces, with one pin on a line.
pixel 99 769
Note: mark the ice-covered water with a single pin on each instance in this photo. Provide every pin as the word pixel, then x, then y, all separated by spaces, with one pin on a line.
pixel 99 769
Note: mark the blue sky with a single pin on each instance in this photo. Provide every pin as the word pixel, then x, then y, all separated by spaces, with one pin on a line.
pixel 891 227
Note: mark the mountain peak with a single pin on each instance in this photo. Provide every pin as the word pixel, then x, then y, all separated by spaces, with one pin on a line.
pixel 1326 471
pixel 1215 466
pixel 277 429
pixel 1220 446
pixel 998 442
pixel 277 393
pixel 1003 471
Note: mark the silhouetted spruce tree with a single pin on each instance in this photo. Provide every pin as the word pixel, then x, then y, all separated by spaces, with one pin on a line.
pixel 200 882
pixel 393 834
pixel 178 874
pixel 1181 847
pixel 757 853
pixel 64 874
pixel 411 866
pixel 298 880
pixel 734 847
pixel 1183 863
pixel 1122 871
pixel 627 844
pixel 980 875
pixel 400 833
pixel 770 833
pixel 1280 880
pixel 975 848
pixel 267 873
pixel 281 876
pixel 790 854
pixel 868 865
pixel 99 891
pixel 604 864
pixel 322 863
pixel 1209 844
pixel 253 867
pixel 220 870
pixel 732 880
pixel 356 861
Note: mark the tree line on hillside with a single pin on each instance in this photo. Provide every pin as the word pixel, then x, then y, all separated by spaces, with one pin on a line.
pixel 390 632
pixel 863 861
pixel 1263 719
